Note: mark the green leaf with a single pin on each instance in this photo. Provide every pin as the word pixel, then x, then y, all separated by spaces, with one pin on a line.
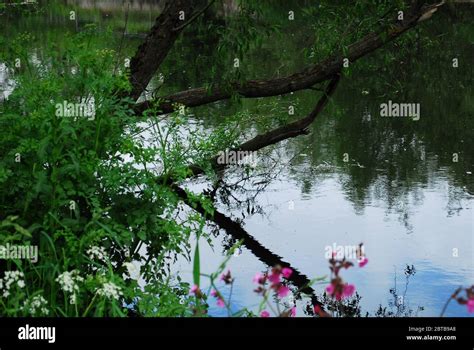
pixel 22 230
pixel 196 265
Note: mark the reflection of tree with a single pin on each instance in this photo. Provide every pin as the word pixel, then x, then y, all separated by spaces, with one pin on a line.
pixel 349 307
pixel 399 306
pixel 455 203
pixel 238 233
pixel 392 160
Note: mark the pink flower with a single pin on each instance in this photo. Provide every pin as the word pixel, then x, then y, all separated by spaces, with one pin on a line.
pixel 227 277
pixel 348 290
pixel 259 278
pixel 363 261
pixel 274 277
pixel 264 313
pixel 194 289
pixel 330 289
pixel 220 302
pixel 286 272
pixel 470 306
pixel 283 291
pixel 293 311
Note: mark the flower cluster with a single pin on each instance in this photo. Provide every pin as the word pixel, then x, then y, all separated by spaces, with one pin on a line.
pixel 110 291
pixel 219 299
pixel 227 279
pixel 195 290
pixel 37 306
pixel 10 279
pixel 69 283
pixel 97 253
pixel 274 279
pixel 339 289
pixel 197 309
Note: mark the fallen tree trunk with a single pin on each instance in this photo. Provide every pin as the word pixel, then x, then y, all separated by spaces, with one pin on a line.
pixel 157 44
pixel 297 81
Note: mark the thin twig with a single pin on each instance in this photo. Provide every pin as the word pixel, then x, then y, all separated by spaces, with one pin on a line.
pixel 449 300
pixel 123 38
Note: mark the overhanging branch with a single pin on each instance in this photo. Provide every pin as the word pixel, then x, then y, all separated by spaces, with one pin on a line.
pixel 293 129
pixel 304 79
pixel 158 43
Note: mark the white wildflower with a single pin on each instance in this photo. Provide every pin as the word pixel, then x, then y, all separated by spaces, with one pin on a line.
pixel 97 253
pixel 69 283
pixel 10 279
pixel 110 291
pixel 37 306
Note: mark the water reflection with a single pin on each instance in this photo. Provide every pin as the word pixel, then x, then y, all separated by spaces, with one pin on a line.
pixel 6 83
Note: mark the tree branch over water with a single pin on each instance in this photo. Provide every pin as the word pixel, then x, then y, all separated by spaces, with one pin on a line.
pixel 296 128
pixel 158 43
pixel 304 79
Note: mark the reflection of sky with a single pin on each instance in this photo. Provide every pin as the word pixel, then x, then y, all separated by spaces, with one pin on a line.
pixel 433 286
pixel 6 84
pixel 326 217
